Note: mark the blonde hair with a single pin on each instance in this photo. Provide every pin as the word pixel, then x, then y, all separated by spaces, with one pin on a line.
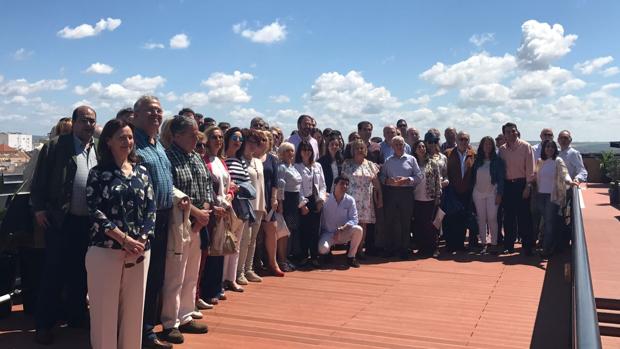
pixel 165 135
pixel 284 147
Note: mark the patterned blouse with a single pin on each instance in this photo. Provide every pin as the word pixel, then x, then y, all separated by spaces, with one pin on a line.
pixel 115 200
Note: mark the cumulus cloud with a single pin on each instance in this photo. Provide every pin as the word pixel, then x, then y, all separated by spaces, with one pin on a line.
pixel 487 94
pixel 590 66
pixel 100 68
pixel 22 54
pixel 611 71
pixel 152 45
pixel 481 39
pixel 228 88
pixel 268 34
pixel 543 83
pixel 477 69
pixel 23 87
pixel 179 41
pixel 242 116
pixel 542 44
pixel 279 99
pixel 350 95
pixel 116 94
pixel 424 99
pixel 86 30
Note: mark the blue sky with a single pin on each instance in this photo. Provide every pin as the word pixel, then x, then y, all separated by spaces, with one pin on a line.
pixel 473 65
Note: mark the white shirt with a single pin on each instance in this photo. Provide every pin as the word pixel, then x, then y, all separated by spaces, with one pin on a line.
pixel 574 162
pixel 546 176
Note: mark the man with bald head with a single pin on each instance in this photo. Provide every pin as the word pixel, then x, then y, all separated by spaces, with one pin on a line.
pixel 386 150
pixel 58 196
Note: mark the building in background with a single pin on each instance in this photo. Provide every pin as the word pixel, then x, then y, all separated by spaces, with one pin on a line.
pixel 12 160
pixel 16 140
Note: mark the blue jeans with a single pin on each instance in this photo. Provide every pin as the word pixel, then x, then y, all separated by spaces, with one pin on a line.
pixel 549 211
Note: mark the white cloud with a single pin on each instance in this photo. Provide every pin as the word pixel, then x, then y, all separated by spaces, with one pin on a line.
pixel 139 83
pixel 350 95
pixel 22 54
pixel 243 116
pixel 152 45
pixel 117 95
pixel 481 39
pixel 228 88
pixel 543 83
pixel 590 66
pixel 487 94
pixel 195 99
pixel 268 34
pixel 611 71
pixel 279 99
pixel 424 99
pixel 179 41
pixel 477 69
pixel 23 87
pixel 86 30
pixel 100 68
pixel 542 44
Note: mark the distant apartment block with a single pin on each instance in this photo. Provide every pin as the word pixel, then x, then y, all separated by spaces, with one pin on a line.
pixel 16 140
pixel 12 160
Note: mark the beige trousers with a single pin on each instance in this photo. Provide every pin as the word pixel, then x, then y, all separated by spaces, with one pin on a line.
pixel 180 280
pixel 116 296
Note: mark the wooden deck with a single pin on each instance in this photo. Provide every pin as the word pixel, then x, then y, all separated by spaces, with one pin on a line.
pixel 461 301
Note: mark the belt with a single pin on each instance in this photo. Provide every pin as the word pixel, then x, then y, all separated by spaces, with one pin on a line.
pixel 516 180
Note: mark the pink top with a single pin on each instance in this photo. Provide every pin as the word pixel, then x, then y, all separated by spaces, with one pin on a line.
pixel 519 159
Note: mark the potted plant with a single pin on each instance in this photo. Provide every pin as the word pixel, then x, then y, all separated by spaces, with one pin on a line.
pixel 613 172
pixel 606 162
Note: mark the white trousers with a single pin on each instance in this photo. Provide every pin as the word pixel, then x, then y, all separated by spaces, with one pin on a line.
pixel 116 297
pixel 231 260
pixel 180 280
pixel 353 234
pixel 247 246
pixel 487 217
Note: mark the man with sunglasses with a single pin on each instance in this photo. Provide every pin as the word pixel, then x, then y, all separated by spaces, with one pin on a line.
pixel 58 196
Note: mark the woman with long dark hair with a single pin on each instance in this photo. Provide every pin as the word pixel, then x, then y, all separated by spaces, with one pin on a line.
pixel 121 205
pixel 488 174
pixel 332 161
pixel 552 178
pixel 313 192
pixel 427 196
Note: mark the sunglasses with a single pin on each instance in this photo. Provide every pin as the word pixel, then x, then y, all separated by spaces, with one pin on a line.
pixel 237 138
pixel 464 139
pixel 401 125
pixel 133 264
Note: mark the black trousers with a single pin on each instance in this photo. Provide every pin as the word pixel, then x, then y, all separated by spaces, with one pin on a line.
pixel 426 235
pixel 64 273
pixel 517 215
pixel 309 230
pixel 155 277
pixel 457 224
pixel 398 210
pixel 211 279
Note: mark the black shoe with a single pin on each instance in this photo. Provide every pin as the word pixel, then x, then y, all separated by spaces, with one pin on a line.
pixel 44 337
pixel 352 262
pixel 194 327
pixel 172 335
pixel 155 343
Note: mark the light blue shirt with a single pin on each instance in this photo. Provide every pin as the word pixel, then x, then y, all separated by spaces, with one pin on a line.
pixel 296 139
pixel 574 162
pixel 336 214
pixel 386 150
pixel 289 180
pixel 404 166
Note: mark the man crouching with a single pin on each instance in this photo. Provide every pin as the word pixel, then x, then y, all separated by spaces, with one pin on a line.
pixel 339 223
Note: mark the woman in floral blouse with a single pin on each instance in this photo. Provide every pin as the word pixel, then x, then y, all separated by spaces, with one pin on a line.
pixel 120 202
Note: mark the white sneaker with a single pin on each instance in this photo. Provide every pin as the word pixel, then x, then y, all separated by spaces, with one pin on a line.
pixel 201 304
pixel 196 315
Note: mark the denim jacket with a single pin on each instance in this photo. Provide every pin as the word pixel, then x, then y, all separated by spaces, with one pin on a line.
pixel 498 173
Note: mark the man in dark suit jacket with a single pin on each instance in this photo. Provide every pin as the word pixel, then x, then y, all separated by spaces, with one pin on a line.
pixel 58 196
pixel 460 164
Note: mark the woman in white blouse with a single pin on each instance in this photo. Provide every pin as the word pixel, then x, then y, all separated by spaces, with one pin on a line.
pixel 313 192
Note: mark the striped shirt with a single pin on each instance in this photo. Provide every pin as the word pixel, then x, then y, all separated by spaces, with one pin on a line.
pixel 238 170
pixel 153 157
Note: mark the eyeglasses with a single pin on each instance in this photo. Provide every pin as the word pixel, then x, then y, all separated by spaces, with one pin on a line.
pixel 237 138
pixel 132 264
pixel 563 137
pixel 548 134
pixel 401 125
pixel 464 139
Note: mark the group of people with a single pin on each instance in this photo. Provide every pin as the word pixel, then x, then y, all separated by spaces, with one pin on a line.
pixel 153 220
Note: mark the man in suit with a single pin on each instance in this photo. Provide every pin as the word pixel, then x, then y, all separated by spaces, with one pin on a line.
pixel 58 196
pixel 460 163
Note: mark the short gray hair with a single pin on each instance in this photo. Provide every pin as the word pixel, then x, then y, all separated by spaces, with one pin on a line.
pixel 398 139
pixel 144 99
pixel 181 123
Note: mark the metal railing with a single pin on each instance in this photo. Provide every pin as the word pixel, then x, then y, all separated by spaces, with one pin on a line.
pixel 585 329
